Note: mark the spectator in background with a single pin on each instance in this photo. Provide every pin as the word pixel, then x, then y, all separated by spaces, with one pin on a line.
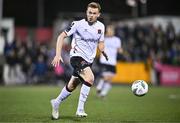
pixel 2 61
pixel 19 65
pixel 31 49
pixel 20 55
pixel 9 73
pixel 40 69
pixel 27 69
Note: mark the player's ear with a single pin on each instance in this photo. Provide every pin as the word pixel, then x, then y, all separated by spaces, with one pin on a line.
pixel 99 14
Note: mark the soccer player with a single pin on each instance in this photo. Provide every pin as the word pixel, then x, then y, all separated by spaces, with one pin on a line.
pixel 88 35
pixel 113 46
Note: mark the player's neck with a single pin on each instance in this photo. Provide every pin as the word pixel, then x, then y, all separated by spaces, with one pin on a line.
pixel 90 23
pixel 109 35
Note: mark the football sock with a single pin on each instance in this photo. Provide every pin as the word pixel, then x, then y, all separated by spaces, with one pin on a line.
pixel 100 85
pixel 65 92
pixel 84 92
pixel 106 89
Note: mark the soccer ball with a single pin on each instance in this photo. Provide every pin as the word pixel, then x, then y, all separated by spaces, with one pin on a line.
pixel 139 87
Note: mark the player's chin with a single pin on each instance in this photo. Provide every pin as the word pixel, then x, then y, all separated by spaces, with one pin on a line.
pixel 91 20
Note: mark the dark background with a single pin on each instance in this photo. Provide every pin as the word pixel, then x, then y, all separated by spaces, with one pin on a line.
pixel 25 11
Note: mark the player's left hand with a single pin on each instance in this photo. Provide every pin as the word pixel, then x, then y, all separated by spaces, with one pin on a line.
pixel 105 55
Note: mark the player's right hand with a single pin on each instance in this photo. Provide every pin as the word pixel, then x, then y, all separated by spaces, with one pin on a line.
pixel 105 55
pixel 56 61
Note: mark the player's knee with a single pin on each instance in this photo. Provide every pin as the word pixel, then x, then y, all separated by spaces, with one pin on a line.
pixel 108 78
pixel 90 79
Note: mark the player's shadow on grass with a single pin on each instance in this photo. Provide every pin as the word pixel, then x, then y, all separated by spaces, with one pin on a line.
pixel 72 118
pixel 61 118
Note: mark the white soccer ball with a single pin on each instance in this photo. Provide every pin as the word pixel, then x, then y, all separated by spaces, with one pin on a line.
pixel 139 87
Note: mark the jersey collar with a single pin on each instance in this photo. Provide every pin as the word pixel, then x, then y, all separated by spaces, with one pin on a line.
pixel 90 23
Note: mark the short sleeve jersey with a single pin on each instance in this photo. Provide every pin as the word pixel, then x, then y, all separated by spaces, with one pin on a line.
pixel 85 38
pixel 111 47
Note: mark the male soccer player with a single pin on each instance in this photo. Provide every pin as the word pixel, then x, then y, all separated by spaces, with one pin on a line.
pixel 113 46
pixel 88 34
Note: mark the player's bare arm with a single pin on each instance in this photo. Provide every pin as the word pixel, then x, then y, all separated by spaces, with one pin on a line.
pixel 101 48
pixel 60 40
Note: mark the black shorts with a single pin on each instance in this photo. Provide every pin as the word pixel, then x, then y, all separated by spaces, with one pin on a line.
pixel 108 68
pixel 78 64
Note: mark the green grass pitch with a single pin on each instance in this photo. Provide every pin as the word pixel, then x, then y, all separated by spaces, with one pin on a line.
pixel 32 104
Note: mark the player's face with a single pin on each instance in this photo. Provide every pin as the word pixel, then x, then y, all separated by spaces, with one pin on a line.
pixel 110 31
pixel 92 14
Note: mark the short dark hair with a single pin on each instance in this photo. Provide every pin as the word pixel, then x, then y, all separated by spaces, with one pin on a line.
pixel 94 5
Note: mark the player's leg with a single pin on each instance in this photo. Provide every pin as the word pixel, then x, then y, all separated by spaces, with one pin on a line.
pixel 88 77
pixel 65 92
pixel 100 85
pixel 107 85
pixel 108 74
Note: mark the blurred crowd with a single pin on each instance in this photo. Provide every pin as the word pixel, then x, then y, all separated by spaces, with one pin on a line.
pixel 30 62
pixel 147 42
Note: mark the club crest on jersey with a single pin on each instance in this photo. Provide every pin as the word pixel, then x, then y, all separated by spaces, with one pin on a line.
pixel 99 31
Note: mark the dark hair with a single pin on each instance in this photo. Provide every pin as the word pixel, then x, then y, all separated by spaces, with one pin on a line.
pixel 94 5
